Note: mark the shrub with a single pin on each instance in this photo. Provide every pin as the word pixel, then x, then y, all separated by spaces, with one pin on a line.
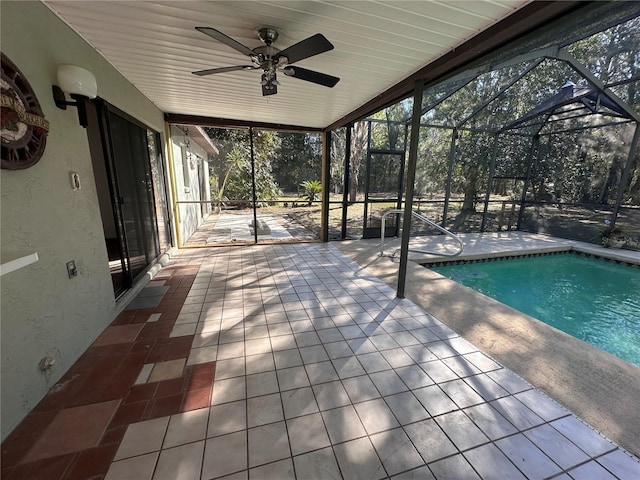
pixel 311 190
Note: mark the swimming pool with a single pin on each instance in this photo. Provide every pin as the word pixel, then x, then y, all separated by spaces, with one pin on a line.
pixel 589 298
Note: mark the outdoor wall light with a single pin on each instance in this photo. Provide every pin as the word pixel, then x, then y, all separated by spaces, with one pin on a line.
pixel 80 84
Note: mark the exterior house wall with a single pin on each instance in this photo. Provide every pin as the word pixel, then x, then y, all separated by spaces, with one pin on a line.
pixel 44 313
pixel 187 154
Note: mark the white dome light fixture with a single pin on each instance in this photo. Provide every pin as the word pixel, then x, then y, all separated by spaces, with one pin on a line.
pixel 80 84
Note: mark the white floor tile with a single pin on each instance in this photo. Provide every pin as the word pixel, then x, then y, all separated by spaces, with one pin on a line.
pixel 292 378
pixel 321 372
pixel 396 451
pixel 313 354
pixel 136 468
pixel 142 437
pixel 490 421
pixel 454 467
pixel 320 464
pixel 186 427
pixel 281 470
pixel 264 409
pixel 183 329
pixel 461 430
pixel 261 384
pixel 430 440
pixel 420 473
pixel 234 367
pixel 388 382
pixel 516 412
pixel 339 349
pixel 348 366
pixel 406 408
pixel 202 355
pixel 299 402
pixel 438 371
pixel 257 346
pixel 267 444
pixel 555 445
pixel 435 400
pixel 343 424
pixel 461 393
pixel 230 350
pixel 227 418
pixel 376 416
pixel 360 389
pixel 358 460
pixel 397 357
pixel 584 437
pixel 287 358
pixel 420 353
pixel 373 362
pixel 183 462
pixel 414 377
pixel 526 456
pixel 490 462
pixel 224 455
pixel 330 395
pixel 228 390
pixel 307 433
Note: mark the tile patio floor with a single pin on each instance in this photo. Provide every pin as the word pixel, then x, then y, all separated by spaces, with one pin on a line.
pixel 290 361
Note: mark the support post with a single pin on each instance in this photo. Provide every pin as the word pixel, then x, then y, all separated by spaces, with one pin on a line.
pixel 253 186
pixel 492 171
pixel 172 183
pixel 347 179
pixel 625 174
pixel 447 189
pixel 367 177
pixel 326 180
pixel 535 145
pixel 411 177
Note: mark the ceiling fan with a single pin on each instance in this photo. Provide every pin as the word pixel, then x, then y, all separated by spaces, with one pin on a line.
pixel 270 59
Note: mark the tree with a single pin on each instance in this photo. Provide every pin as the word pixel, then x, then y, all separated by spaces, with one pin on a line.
pixel 358 151
pixel 297 158
pixel 338 152
pixel 230 170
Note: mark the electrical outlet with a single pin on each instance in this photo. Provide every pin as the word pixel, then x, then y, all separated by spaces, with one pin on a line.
pixel 71 269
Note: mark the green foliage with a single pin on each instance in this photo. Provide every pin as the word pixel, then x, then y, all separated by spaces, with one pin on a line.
pixel 231 168
pixel 298 156
pixel 571 164
pixel 311 190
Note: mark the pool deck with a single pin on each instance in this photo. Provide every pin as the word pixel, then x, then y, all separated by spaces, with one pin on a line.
pixel 600 388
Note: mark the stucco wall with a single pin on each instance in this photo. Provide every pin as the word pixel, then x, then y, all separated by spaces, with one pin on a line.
pixel 44 313
pixel 190 214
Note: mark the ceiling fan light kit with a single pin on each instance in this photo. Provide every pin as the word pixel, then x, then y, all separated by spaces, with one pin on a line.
pixel 270 59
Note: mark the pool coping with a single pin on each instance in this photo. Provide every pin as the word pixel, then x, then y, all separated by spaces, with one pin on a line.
pixel 605 254
pixel 597 386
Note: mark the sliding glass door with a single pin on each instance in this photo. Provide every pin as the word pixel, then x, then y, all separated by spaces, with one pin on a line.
pixel 130 183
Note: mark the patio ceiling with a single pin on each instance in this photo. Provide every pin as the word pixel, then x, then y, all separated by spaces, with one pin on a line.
pixel 378 45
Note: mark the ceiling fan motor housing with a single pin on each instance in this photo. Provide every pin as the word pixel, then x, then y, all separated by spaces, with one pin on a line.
pixel 268 35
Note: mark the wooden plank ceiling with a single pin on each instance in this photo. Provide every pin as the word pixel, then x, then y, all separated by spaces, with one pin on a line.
pixel 378 44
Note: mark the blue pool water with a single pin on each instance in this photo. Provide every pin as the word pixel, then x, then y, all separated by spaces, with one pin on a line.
pixel 591 299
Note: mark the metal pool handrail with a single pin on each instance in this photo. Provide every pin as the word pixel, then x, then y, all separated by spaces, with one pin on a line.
pixel 419 216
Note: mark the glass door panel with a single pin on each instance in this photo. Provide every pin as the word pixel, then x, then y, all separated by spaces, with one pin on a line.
pixel 135 197
pixel 383 191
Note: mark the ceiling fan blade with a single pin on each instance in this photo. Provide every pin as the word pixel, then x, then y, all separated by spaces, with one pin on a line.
pixel 306 48
pixel 211 71
pixel 311 76
pixel 221 37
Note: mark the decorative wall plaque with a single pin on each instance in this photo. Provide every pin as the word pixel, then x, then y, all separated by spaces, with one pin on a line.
pixel 23 127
